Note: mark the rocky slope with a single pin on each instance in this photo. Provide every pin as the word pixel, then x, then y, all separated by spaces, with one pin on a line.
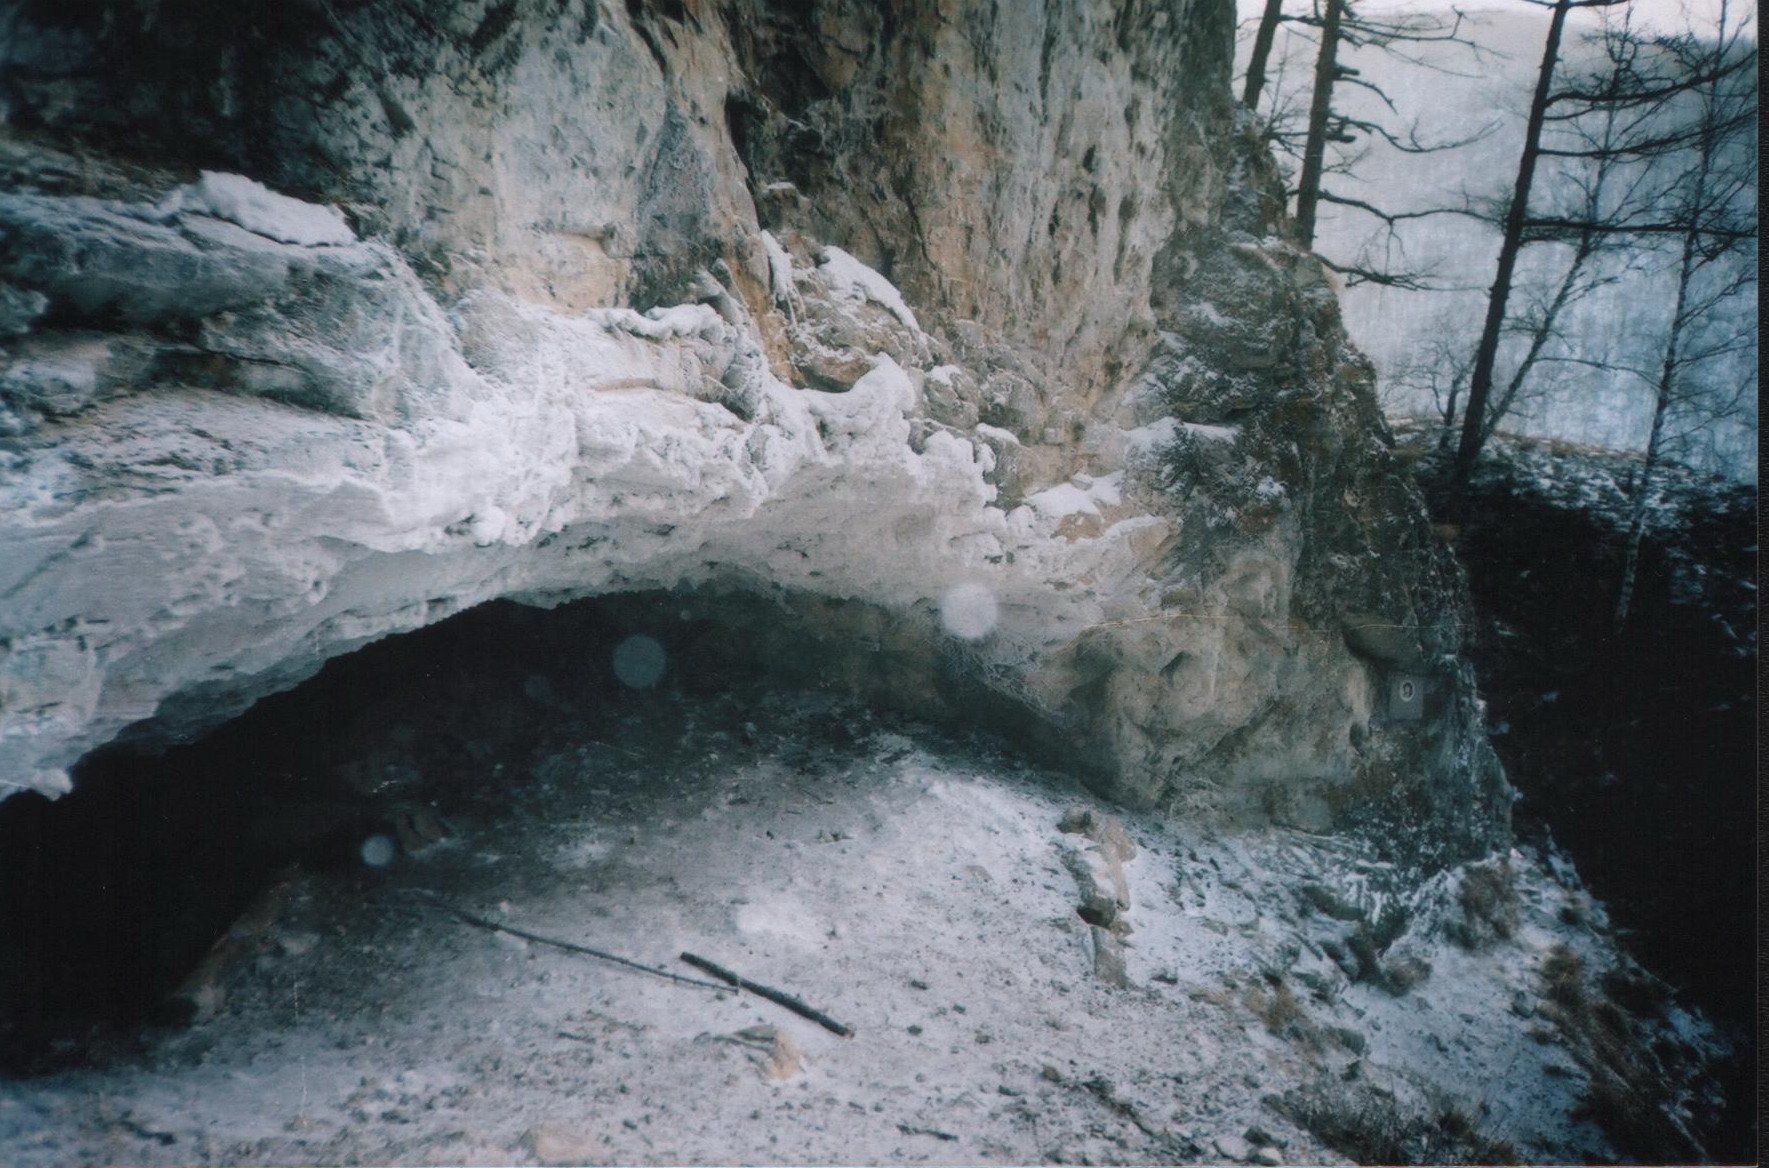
pixel 1634 747
pixel 961 329
pixel 1030 977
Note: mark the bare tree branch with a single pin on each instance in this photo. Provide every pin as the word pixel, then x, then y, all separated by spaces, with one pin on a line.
pixel 1396 216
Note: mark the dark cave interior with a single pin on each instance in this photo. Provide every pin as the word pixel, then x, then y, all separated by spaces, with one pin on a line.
pixel 111 894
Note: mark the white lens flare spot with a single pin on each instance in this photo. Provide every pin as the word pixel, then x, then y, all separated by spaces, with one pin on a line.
pixel 639 662
pixel 378 851
pixel 969 611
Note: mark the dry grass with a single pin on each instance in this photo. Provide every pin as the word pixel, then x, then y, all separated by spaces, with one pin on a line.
pixel 1274 1002
pixel 1283 1015
pixel 1369 944
pixel 1400 974
pixel 1563 978
pixel 1489 906
pixel 1630 1094
pixel 1370 1127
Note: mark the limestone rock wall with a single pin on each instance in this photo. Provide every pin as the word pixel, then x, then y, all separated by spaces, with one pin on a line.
pixel 964 329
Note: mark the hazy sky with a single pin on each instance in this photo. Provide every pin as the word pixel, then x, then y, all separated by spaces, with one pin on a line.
pixel 1658 14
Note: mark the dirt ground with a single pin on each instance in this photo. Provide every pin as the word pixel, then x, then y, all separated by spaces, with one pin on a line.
pixel 917 888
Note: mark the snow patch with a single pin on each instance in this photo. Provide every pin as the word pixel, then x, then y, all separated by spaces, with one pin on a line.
pixel 779 918
pixel 779 269
pixel 883 397
pixel 969 611
pixel 1108 490
pixel 1208 433
pixel 1082 496
pixel 260 210
pixel 661 324
pixel 1149 439
pixel 850 278
pixel 996 434
pixel 1062 501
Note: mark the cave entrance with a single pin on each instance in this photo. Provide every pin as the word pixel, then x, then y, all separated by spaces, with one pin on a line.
pixel 119 899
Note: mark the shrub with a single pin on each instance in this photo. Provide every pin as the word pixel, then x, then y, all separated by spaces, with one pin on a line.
pixel 1489 906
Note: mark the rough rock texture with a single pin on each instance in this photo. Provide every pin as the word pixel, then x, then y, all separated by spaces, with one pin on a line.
pixel 961 328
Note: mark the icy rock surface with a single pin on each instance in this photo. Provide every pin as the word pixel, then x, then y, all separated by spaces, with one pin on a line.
pixel 848 309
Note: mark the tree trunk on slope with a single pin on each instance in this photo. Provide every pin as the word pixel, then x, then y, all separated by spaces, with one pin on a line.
pixel 1262 42
pixel 1314 151
pixel 1480 382
pixel 1667 383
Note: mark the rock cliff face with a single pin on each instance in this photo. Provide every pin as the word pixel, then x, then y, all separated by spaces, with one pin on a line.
pixel 962 330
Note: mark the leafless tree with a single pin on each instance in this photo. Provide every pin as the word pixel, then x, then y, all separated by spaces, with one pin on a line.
pixel 1591 194
pixel 1713 198
pixel 1304 132
pixel 1633 101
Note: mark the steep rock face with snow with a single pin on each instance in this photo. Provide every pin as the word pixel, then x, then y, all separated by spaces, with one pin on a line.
pixel 959 328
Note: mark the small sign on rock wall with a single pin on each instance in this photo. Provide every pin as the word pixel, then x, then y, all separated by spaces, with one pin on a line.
pixel 1406 697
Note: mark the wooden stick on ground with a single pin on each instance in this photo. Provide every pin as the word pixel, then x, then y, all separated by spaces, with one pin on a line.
pixel 778 997
pixel 568 946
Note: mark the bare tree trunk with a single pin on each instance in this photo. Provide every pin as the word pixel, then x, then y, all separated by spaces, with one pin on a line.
pixel 1449 415
pixel 1642 505
pixel 1667 384
pixel 1480 382
pixel 1541 334
pixel 1314 151
pixel 1262 42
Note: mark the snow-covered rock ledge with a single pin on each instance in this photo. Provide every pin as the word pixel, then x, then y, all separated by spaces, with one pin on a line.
pixel 592 303
pixel 332 457
pixel 188 540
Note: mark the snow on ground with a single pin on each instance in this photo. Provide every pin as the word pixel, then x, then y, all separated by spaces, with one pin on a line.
pixel 911 886
pixel 1207 433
